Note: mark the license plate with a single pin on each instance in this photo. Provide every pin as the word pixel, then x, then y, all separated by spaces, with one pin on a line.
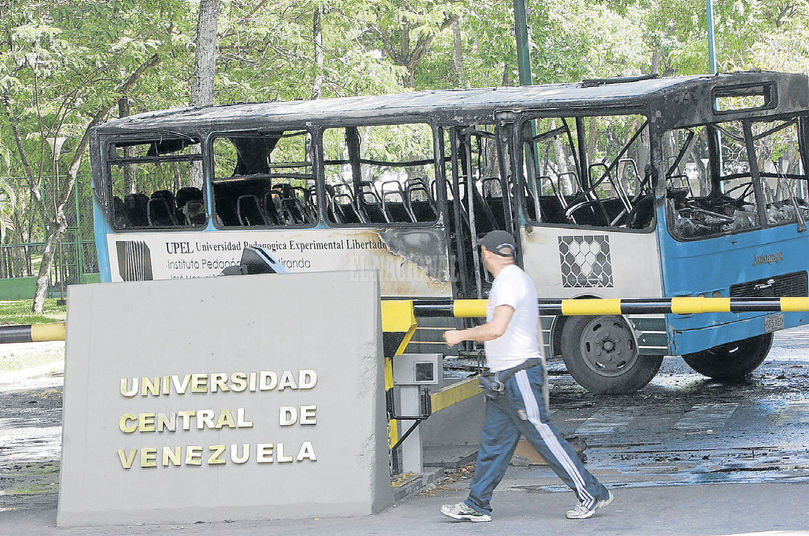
pixel 773 322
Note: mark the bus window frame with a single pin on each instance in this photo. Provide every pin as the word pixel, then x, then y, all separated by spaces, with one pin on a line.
pixel 519 164
pixel 801 119
pixel 438 223
pixel 213 135
pixel 106 179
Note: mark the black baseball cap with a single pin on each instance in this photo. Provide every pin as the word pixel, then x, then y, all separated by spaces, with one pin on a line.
pixel 499 242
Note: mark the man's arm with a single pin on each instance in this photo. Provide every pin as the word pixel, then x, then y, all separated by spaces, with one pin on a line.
pixel 485 332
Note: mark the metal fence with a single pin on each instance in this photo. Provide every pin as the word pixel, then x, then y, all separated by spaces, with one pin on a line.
pixel 75 260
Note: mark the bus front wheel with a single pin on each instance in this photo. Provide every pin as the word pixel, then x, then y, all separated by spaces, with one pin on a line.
pixel 733 360
pixel 602 356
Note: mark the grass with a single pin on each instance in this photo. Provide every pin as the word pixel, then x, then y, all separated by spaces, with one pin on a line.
pixel 19 312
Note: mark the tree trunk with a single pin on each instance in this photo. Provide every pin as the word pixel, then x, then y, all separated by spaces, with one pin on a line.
pixel 55 233
pixel 565 185
pixel 205 57
pixel 457 54
pixel 202 86
pixel 317 34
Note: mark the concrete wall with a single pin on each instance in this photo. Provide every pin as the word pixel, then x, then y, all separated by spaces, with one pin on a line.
pixel 324 322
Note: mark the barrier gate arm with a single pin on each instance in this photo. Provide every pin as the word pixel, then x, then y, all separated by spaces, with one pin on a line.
pixel 634 306
pixel 53 331
pixel 399 316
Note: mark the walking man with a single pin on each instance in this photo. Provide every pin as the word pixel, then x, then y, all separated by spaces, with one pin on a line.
pixel 514 402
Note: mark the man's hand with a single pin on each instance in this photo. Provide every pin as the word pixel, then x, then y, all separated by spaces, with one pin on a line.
pixel 453 337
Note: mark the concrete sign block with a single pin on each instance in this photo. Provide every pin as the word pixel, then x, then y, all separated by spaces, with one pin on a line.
pixel 245 397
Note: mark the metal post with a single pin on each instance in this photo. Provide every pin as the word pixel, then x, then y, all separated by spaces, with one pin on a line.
pixel 79 245
pixel 711 43
pixel 524 63
pixel 521 32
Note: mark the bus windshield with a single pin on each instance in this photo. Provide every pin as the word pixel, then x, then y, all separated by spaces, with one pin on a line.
pixel 757 178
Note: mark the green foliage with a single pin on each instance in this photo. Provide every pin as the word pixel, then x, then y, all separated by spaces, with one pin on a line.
pixel 62 62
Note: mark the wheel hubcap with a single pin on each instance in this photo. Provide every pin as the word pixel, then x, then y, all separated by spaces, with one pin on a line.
pixel 608 346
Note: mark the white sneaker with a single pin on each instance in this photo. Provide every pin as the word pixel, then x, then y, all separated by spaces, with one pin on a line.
pixel 583 512
pixel 463 511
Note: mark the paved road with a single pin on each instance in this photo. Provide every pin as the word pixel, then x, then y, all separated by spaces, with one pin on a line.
pixel 661 449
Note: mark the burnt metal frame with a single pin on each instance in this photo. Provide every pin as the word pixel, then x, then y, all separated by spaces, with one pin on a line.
pixel 755 174
pixel 672 103
pixel 104 166
pixel 586 185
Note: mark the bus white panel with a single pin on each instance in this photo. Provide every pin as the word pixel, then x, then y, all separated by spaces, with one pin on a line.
pixel 567 263
pixel 411 262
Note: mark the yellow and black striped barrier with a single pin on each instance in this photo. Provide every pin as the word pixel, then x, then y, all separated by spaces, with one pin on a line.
pixel 400 319
pixel 54 331
pixel 596 307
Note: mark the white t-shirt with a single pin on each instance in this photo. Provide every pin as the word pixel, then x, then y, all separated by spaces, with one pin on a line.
pixel 513 287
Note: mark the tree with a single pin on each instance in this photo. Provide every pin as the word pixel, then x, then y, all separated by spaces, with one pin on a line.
pixel 60 77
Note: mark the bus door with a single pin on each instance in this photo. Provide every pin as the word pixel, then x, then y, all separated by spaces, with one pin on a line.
pixel 480 199
pixel 587 207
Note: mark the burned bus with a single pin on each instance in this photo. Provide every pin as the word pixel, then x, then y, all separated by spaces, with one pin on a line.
pixel 637 187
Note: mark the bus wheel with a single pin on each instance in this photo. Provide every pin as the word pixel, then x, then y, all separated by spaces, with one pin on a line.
pixel 602 356
pixel 733 360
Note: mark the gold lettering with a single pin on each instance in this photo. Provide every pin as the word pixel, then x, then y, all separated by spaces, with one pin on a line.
pixel 238 382
pixel 307 379
pixel 148 457
pixel 234 453
pixel 287 416
pixel 186 415
pixel 225 419
pixel 173 456
pixel 306 452
pixel 127 459
pixel 241 422
pixel 308 415
pixel 253 382
pixel 287 381
pixel 150 386
pixel 166 385
pixel 193 455
pixel 264 452
pixel 279 448
pixel 199 383
pixel 216 456
pixel 219 382
pixel 205 418
pixel 127 391
pixel 146 422
pixel 128 428
pixel 268 380
pixel 166 422
pixel 179 387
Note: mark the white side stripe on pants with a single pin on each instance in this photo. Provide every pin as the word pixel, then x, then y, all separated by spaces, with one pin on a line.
pixel 532 411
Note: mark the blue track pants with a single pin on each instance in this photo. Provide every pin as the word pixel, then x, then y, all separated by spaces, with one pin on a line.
pixel 520 410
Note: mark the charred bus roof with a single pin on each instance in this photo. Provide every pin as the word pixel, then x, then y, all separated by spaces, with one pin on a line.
pixel 669 103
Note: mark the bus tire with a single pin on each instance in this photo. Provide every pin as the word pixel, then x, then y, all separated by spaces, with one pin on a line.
pixel 602 355
pixel 733 360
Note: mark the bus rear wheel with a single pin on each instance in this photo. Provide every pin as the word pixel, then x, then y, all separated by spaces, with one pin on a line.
pixel 602 356
pixel 733 360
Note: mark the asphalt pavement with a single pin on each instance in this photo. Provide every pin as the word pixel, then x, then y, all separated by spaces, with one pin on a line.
pixel 724 509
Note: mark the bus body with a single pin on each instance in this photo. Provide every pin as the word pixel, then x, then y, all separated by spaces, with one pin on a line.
pixel 617 188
